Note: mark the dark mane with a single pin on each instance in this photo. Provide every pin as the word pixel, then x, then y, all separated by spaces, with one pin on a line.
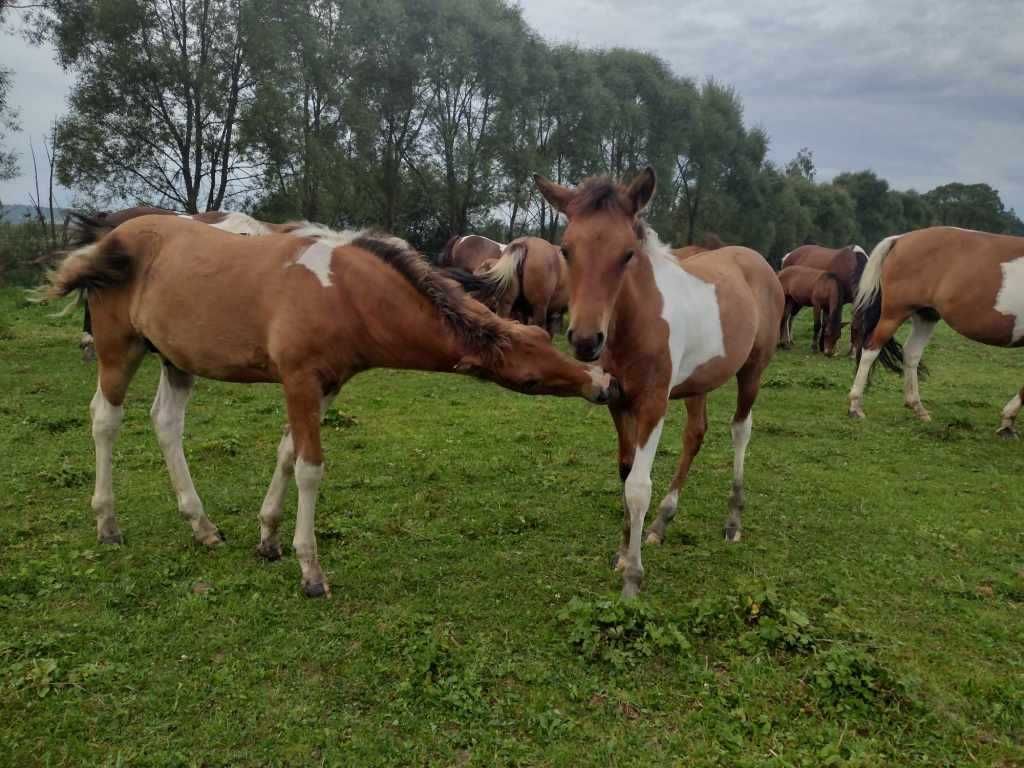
pixel 482 334
pixel 444 259
pixel 835 317
pixel 599 193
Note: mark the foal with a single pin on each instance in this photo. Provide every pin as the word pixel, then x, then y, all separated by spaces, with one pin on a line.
pixel 306 313
pixel 808 287
pixel 972 280
pixel 845 263
pixel 530 281
pixel 665 330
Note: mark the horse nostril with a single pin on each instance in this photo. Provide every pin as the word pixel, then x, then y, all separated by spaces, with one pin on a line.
pixel 600 340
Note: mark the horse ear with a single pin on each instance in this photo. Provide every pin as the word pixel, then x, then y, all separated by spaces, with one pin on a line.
pixel 641 189
pixel 556 194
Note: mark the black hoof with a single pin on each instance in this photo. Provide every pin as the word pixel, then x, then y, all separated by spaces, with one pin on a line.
pixel 617 562
pixel 733 533
pixel 1008 433
pixel 112 538
pixel 270 552
pixel 318 589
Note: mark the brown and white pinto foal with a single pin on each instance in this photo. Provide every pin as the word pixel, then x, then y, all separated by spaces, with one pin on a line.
pixel 306 313
pixel 972 280
pixel 665 330
pixel 469 252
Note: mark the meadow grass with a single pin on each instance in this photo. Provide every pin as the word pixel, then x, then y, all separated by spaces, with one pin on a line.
pixel 872 616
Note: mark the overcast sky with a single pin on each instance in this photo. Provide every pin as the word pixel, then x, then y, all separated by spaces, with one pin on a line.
pixel 923 93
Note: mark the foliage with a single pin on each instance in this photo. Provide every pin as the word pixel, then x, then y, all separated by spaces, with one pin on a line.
pixel 24 252
pixel 619 633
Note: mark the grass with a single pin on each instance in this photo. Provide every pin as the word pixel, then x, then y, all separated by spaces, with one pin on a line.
pixel 873 614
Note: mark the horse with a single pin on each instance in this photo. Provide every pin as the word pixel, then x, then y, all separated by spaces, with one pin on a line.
pixel 846 263
pixel 306 313
pixel 711 242
pixel 972 280
pixel 809 287
pixel 664 330
pixel 529 282
pixel 468 251
pixel 92 228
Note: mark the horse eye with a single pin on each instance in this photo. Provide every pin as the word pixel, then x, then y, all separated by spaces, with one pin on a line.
pixel 629 255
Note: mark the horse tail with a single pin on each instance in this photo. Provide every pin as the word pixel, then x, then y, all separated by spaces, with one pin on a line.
pixel 95 267
pixel 860 262
pixel 835 310
pixel 867 309
pixel 444 259
pixel 499 278
pixel 472 284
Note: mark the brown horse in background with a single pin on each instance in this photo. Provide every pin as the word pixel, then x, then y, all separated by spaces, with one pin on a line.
pixel 529 282
pixel 665 330
pixel 468 252
pixel 846 263
pixel 972 280
pixel 711 242
pixel 808 287
pixel 307 313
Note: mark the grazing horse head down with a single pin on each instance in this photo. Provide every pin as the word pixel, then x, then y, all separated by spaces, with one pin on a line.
pixel 603 235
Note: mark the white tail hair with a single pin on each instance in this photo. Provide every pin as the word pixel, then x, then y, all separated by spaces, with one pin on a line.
pixel 871 279
pixel 502 274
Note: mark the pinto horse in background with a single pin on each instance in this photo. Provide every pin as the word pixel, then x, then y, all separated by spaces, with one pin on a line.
pixel 665 330
pixel 972 280
pixel 809 287
pixel 468 252
pixel 529 282
pixel 846 263
pixel 307 313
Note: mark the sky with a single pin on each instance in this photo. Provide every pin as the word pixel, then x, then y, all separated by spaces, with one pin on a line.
pixel 922 93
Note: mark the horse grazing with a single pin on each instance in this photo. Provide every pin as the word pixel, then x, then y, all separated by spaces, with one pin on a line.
pixel 664 330
pixel 846 263
pixel 809 287
pixel 972 280
pixel 467 252
pixel 711 242
pixel 306 313
pixel 529 282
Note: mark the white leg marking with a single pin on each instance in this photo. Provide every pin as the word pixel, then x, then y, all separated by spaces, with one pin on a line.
pixel 740 440
pixel 867 359
pixel 920 335
pixel 272 509
pixel 168 415
pixel 1010 411
pixel 637 492
pixel 106 422
pixel 307 478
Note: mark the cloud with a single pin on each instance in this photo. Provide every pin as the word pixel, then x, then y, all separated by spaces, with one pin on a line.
pixel 923 93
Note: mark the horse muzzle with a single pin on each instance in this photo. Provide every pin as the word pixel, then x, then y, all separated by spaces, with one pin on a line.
pixel 586 348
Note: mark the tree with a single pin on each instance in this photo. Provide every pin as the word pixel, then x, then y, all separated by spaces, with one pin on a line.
pixel 802 166
pixel 972 206
pixel 8 121
pixel 159 85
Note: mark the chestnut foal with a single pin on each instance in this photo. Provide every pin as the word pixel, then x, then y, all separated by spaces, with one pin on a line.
pixel 665 329
pixel 306 313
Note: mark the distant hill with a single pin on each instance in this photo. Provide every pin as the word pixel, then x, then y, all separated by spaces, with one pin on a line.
pixel 19 214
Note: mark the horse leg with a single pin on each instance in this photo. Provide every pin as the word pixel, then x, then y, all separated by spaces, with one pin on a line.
pixel 921 332
pixel 793 311
pixel 117 365
pixel 540 315
pixel 650 418
pixel 168 416
pixel 304 394
pixel 749 382
pixel 272 509
pixel 1010 411
pixel 816 345
pixel 884 331
pixel 785 340
pixel 86 343
pixel 693 439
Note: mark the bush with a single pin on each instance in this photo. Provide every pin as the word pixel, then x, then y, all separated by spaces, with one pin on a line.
pixel 24 253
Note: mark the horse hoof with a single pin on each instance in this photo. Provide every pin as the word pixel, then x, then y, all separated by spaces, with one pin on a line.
pixel 1007 433
pixel 111 538
pixel 733 535
pixel 315 589
pixel 268 551
pixel 213 539
pixel 856 413
pixel 654 538
pixel 618 561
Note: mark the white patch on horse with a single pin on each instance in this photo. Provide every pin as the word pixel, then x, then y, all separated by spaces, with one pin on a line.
pixel 317 259
pixel 690 307
pixel 347 236
pixel 857 249
pixel 786 257
pixel 183 215
pixel 242 224
pixel 1010 300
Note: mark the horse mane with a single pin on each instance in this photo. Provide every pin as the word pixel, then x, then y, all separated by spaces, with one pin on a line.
pixel 599 193
pixel 481 333
pixel 711 242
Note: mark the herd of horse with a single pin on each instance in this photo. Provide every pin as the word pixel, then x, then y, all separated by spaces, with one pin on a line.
pixel 227 297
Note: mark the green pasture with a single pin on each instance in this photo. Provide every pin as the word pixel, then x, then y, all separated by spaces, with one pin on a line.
pixel 872 616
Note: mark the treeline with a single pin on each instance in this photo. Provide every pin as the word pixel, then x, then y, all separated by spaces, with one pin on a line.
pixel 428 118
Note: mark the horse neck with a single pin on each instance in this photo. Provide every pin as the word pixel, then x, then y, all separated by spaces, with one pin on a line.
pixel 638 294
